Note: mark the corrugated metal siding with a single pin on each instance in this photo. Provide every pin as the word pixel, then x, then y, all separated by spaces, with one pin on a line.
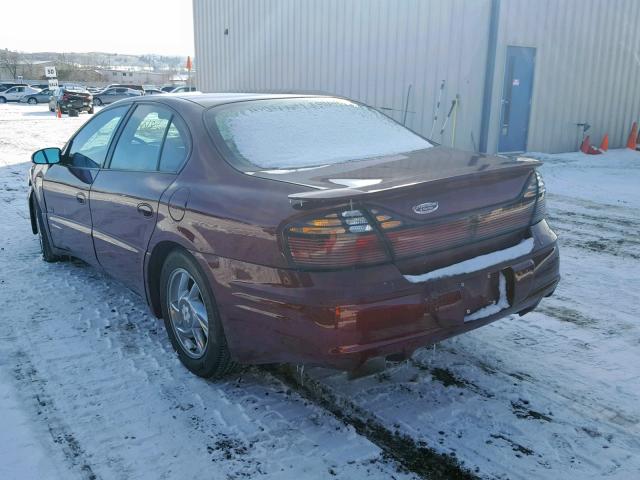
pixel 587 69
pixel 587 58
pixel 368 50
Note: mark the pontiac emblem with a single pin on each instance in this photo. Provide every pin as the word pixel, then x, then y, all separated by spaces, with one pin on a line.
pixel 424 208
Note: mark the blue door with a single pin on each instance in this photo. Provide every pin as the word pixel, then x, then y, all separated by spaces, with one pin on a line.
pixel 516 99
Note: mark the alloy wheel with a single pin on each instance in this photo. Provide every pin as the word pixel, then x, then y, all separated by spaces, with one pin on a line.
pixel 188 313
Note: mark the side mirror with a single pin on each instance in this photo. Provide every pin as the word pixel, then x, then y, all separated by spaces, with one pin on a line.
pixel 46 156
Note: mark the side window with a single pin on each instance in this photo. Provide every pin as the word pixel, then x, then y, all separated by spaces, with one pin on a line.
pixel 175 148
pixel 139 145
pixel 89 147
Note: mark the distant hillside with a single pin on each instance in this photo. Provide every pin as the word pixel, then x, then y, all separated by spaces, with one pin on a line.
pixel 93 67
pixel 105 60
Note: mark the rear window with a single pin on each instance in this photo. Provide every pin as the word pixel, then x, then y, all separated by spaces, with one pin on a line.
pixel 304 132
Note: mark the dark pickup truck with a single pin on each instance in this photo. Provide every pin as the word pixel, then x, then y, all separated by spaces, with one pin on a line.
pixel 67 99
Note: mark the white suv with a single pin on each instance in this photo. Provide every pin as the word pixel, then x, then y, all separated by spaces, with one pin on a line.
pixel 14 94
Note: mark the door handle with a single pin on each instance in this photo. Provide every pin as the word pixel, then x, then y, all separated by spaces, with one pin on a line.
pixel 81 198
pixel 145 209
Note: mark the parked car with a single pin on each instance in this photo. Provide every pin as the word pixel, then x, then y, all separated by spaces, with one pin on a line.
pixel 40 86
pixel 184 89
pixel 153 91
pixel 73 86
pixel 14 94
pixel 303 229
pixel 168 88
pixel 127 85
pixel 67 99
pixel 43 96
pixel 6 85
pixel 114 94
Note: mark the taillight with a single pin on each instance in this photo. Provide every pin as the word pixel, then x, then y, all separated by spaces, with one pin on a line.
pixel 536 192
pixel 65 97
pixel 334 240
pixel 409 238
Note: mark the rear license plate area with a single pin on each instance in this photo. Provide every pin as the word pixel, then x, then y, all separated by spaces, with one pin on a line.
pixel 452 301
pixel 482 291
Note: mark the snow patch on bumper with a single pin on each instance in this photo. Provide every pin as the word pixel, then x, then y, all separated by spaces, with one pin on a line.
pixel 477 263
pixel 501 304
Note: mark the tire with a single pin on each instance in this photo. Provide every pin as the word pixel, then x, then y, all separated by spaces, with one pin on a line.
pixel 32 101
pixel 90 111
pixel 45 243
pixel 3 100
pixel 98 102
pixel 214 360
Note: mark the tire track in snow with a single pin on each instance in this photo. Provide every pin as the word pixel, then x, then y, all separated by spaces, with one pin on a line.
pixel 415 456
pixel 612 230
pixel 28 376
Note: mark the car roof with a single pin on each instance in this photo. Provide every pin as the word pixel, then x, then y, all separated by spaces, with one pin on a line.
pixel 212 99
pixel 207 100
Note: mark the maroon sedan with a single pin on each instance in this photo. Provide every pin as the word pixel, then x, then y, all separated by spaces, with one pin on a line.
pixel 302 229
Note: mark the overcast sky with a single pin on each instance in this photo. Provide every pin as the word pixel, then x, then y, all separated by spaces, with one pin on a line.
pixel 113 26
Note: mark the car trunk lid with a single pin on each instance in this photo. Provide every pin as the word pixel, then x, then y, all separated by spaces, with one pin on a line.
pixel 383 176
pixel 433 207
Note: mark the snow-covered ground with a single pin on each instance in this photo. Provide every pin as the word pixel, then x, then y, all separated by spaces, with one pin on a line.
pixel 90 387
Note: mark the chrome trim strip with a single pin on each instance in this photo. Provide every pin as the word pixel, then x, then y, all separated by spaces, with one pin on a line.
pixel 113 241
pixel 69 223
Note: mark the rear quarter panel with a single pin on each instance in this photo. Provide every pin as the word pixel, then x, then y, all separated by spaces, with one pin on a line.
pixel 228 214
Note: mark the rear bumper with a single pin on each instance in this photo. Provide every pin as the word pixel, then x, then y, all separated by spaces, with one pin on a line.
pixel 76 105
pixel 340 319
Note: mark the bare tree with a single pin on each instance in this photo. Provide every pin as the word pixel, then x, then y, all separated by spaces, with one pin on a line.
pixel 9 62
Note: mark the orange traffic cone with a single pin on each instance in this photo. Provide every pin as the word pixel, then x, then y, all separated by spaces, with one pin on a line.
pixel 604 145
pixel 584 147
pixel 59 112
pixel 633 137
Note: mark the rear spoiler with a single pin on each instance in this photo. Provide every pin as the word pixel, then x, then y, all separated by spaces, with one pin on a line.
pixel 313 197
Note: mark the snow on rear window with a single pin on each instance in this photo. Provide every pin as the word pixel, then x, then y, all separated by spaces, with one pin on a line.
pixel 302 132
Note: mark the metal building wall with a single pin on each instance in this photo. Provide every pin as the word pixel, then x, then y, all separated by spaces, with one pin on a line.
pixel 587 69
pixel 587 58
pixel 368 50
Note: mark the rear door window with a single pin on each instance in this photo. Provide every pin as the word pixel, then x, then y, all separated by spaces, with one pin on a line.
pixel 175 148
pixel 139 147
